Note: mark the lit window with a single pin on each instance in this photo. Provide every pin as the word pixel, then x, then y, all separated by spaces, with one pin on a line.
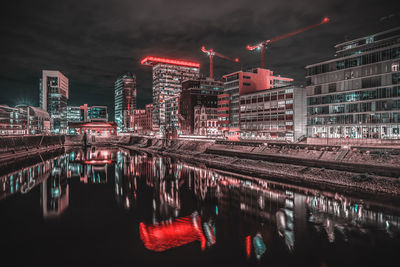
pixel 395 66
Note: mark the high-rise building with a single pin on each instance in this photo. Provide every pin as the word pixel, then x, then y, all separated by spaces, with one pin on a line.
pixel 125 102
pixel 243 82
pixel 357 93
pixel 168 75
pixel 199 92
pixel 54 93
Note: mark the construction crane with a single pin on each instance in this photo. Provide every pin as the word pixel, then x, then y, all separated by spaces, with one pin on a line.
pixel 211 53
pixel 263 45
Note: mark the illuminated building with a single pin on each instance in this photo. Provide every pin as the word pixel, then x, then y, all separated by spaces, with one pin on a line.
pixel 98 113
pixel 243 82
pixel 23 119
pixel 74 114
pixel 276 113
pixel 199 92
pixel 205 121
pixel 168 75
pixel 86 113
pixel 143 119
pixel 125 102
pixel 54 93
pixel 93 128
pixel 357 94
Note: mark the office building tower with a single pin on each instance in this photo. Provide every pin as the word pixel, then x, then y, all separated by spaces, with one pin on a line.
pixel 168 75
pixel 54 94
pixel 125 102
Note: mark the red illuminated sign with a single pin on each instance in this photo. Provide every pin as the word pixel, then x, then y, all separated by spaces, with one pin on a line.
pixel 155 60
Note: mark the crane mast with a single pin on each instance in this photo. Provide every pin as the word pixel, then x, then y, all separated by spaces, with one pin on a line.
pixel 211 53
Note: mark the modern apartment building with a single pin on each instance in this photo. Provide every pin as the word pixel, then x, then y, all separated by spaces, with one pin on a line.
pixel 199 92
pixel 168 75
pixel 273 114
pixel 54 94
pixel 357 93
pixel 125 102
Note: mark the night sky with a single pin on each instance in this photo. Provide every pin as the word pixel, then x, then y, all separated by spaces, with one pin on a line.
pixel 94 41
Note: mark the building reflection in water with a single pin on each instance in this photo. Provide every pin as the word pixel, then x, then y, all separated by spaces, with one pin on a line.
pixel 91 165
pixel 52 175
pixel 55 189
pixel 181 204
pixel 266 207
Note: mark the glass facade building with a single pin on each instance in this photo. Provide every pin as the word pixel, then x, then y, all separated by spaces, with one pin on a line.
pixel 125 102
pixel 54 94
pixel 357 94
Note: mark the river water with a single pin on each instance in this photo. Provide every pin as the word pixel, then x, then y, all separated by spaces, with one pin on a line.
pixel 112 207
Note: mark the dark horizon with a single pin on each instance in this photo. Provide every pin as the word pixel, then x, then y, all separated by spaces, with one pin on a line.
pixel 93 42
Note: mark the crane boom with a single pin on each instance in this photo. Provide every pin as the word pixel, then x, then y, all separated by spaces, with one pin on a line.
pixel 262 45
pixel 211 53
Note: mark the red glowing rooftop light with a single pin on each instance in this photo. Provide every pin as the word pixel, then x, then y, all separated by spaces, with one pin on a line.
pixel 325 20
pixel 155 60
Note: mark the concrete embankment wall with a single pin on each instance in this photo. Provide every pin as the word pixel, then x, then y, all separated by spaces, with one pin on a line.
pixel 77 140
pixel 374 160
pixel 24 143
pixel 15 147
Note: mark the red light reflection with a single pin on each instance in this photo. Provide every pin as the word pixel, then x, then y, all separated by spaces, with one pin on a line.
pixel 166 235
pixel 248 246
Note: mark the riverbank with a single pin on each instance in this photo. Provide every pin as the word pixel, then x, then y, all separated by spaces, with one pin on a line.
pixel 290 163
pixel 17 147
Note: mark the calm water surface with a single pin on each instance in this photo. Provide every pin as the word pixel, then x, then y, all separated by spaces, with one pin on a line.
pixel 113 207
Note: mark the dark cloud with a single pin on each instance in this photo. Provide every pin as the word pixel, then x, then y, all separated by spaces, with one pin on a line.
pixel 93 41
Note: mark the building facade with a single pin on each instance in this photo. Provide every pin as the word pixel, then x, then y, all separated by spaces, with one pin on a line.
pixel 24 119
pixel 199 92
pixel 98 113
pixel 144 120
pixel 125 102
pixel 95 128
pixel 168 75
pixel 243 82
pixel 357 94
pixel 273 114
pixel 87 113
pixel 54 94
pixel 205 121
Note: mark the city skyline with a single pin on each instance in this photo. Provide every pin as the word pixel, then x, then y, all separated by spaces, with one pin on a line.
pixel 92 44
